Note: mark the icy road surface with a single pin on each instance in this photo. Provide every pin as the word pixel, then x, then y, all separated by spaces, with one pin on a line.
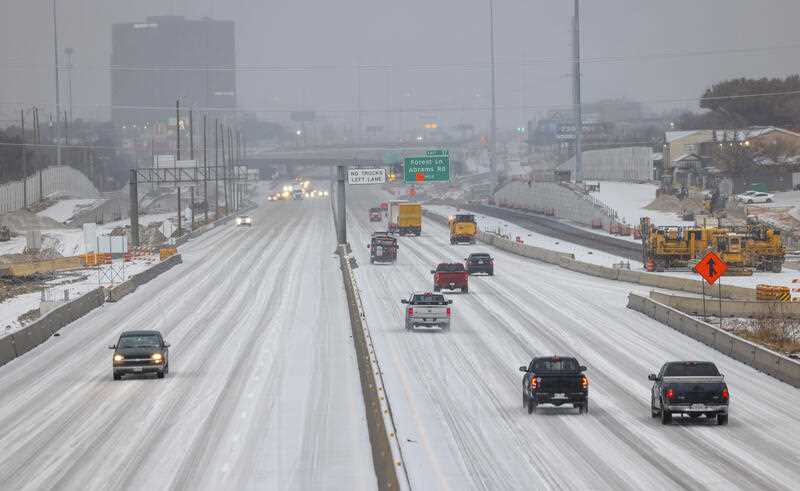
pixel 457 402
pixel 263 390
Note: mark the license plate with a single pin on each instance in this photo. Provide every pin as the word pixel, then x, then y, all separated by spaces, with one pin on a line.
pixel 559 396
pixel 480 262
pixel 452 285
pixel 137 369
pixel 698 407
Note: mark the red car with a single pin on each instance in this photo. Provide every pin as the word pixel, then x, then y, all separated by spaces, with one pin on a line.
pixel 450 276
pixel 385 207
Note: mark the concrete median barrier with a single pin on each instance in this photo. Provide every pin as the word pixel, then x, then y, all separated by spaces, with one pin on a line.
pixel 386 454
pixel 118 292
pixel 760 358
pixel 7 350
pixel 149 274
pixel 730 308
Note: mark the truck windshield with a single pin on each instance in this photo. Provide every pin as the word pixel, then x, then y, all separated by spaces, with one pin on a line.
pixel 702 369
pixel 465 218
pixel 556 365
pixel 450 268
pixel 428 299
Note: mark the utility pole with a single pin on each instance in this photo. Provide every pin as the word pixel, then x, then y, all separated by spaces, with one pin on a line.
pixel 24 162
pixel 69 52
pixel 134 208
pixel 178 129
pixel 493 123
pixel 224 168
pixel 191 135
pixel 66 128
pixel 58 97
pixel 341 204
pixel 191 203
pixel 239 162
pixel 216 167
pixel 358 103
pixel 576 87
pixel 180 229
pixel 205 171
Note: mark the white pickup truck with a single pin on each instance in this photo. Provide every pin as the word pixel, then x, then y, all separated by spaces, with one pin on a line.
pixel 427 309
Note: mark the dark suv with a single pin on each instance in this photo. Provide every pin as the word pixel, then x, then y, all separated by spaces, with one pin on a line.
pixel 140 352
pixel 480 262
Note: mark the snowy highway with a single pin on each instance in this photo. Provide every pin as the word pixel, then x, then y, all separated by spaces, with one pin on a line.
pixel 263 390
pixel 456 396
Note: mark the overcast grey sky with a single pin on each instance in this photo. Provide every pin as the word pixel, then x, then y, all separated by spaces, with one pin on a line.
pixel 347 32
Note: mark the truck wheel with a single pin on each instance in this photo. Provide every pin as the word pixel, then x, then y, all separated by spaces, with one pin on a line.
pixel 436 288
pixel 524 399
pixel 653 410
pixel 117 376
pixel 531 406
pixel 491 273
pixel 371 260
pixel 465 289
pixel 452 242
pixel 776 266
pixel 722 419
pixel 584 408
pixel 666 416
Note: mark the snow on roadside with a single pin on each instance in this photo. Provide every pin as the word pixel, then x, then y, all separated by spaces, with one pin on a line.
pixel 593 256
pixel 11 309
pixel 65 209
pixel 491 224
pixel 629 200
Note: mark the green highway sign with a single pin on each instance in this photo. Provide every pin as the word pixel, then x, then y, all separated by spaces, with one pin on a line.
pixel 438 153
pixel 426 169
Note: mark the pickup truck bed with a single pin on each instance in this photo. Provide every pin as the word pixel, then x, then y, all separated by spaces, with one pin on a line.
pixel 427 309
pixel 450 276
pixel 691 388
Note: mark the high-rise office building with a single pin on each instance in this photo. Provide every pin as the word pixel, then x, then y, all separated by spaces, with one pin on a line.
pixel 157 61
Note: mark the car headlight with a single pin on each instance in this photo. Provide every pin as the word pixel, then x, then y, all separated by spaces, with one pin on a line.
pixel 238 221
pixel 119 358
pixel 156 357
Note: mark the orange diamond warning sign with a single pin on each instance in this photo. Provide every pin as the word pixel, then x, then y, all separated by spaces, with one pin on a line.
pixel 711 268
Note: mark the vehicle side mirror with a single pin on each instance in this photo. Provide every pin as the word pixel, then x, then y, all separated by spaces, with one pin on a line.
pixel 583 368
pixel 367 246
pixel 113 346
pixel 523 369
pixel 433 271
pixel 166 345
pixel 404 301
pixel 449 302
pixel 652 377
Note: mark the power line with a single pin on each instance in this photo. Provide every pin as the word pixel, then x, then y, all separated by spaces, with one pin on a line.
pixel 482 65
pixel 410 109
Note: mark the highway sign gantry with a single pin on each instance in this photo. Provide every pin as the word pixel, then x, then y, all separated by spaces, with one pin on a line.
pixel 427 169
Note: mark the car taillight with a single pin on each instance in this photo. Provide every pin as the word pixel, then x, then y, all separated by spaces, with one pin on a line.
pixel 410 311
pixel 670 394
pixel 534 383
pixel 584 382
pixel 448 311
pixel 725 393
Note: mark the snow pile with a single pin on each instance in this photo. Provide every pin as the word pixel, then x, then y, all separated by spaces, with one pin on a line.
pixel 64 210
pixel 630 200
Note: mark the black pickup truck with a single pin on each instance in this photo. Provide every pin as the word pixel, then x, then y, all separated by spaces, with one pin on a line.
pixel 555 380
pixel 693 388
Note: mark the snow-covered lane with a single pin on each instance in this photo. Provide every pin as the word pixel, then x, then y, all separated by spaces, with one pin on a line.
pixel 457 400
pixel 263 390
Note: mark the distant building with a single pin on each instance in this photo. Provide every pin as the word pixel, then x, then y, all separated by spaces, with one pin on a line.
pixel 156 61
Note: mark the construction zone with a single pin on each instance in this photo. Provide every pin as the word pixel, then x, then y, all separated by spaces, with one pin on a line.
pixel 745 248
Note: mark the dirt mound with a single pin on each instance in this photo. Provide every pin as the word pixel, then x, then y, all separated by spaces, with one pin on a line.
pixel 21 221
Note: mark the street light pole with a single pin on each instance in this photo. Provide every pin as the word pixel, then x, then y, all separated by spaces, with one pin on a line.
pixel 69 52
pixel 58 98
pixel 576 87
pixel 493 123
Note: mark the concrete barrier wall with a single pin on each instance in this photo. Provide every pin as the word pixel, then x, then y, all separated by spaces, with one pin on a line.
pixel 730 308
pixel 382 434
pixel 118 292
pixel 543 195
pixel 615 164
pixel 760 358
pixel 147 275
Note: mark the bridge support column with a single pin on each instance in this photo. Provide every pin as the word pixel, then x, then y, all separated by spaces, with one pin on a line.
pixel 341 205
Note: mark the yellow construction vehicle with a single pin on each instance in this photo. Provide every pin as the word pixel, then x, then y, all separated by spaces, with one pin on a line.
pixel 669 247
pixel 462 228
pixel 764 249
